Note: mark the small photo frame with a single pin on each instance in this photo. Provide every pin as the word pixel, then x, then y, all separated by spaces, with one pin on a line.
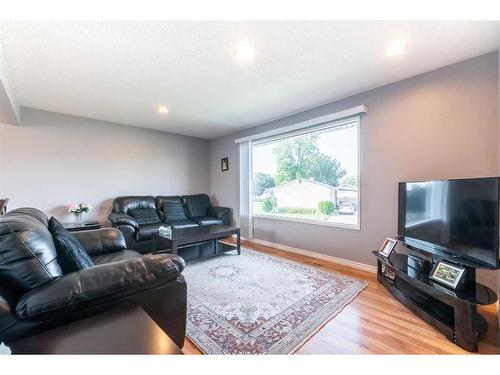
pixel 387 247
pixel 389 273
pixel 224 164
pixel 447 274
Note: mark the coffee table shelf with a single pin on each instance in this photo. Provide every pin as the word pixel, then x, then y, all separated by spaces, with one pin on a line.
pixel 198 242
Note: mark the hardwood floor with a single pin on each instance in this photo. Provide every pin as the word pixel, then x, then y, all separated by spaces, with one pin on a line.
pixel 374 322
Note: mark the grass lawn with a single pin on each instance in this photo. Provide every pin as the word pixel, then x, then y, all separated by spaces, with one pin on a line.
pixel 335 218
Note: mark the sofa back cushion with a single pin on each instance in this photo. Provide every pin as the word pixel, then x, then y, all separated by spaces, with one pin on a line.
pixel 172 208
pixel 144 216
pixel 197 205
pixel 28 257
pixel 127 203
pixel 71 256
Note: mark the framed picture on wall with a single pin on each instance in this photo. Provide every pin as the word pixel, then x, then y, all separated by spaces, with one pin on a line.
pixel 224 164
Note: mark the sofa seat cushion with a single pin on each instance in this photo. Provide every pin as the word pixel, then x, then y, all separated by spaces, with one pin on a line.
pixel 145 216
pixel 115 257
pixel 207 220
pixel 71 255
pixel 145 232
pixel 179 224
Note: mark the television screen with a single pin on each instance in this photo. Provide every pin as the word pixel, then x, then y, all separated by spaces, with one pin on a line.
pixel 457 216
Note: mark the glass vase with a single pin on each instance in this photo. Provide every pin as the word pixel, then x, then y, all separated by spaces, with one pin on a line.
pixel 78 219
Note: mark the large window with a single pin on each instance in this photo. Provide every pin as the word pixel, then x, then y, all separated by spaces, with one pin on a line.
pixel 311 176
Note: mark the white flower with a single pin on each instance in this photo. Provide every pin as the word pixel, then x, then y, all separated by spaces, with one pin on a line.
pixel 79 208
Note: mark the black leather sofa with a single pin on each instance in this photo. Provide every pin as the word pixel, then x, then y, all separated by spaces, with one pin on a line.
pixel 178 211
pixel 35 295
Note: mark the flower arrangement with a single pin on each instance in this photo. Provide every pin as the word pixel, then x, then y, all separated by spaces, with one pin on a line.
pixel 78 210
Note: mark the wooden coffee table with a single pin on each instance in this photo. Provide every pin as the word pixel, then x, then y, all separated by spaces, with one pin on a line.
pixel 120 331
pixel 197 236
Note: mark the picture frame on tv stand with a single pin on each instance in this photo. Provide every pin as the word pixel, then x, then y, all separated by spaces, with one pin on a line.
pixel 387 247
pixel 448 274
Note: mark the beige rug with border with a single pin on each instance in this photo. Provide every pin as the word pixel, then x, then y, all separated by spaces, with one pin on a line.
pixel 260 304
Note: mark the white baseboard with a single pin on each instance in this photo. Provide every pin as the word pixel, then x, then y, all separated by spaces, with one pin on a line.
pixel 328 258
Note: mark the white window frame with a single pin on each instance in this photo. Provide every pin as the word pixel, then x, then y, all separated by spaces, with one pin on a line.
pixel 256 140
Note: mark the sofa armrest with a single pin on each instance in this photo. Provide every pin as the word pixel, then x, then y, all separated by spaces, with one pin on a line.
pixel 223 213
pixel 103 284
pixel 122 219
pixel 101 241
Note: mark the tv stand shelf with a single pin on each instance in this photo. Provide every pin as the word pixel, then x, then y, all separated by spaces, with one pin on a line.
pixel 452 312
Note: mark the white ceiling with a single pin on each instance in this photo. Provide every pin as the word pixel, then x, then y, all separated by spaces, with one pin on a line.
pixel 120 71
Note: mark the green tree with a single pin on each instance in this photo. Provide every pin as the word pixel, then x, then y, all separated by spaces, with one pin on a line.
pixel 261 182
pixel 350 180
pixel 301 158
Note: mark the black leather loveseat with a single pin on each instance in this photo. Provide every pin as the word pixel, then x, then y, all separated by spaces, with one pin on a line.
pixel 35 295
pixel 138 217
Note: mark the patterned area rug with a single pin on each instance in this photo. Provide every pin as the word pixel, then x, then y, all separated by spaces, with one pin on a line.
pixel 259 304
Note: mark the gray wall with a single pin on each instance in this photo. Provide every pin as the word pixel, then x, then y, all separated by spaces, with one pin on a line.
pixel 442 124
pixel 53 160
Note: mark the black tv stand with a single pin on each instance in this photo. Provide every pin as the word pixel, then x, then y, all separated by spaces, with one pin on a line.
pixel 405 274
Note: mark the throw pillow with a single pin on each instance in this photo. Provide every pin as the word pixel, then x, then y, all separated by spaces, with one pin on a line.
pixel 70 254
pixel 145 216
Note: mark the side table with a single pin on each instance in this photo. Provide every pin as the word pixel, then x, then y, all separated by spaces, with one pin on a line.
pixel 86 225
pixel 119 331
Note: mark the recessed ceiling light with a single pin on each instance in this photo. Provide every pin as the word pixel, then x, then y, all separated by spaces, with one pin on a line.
pixel 161 109
pixel 397 48
pixel 244 52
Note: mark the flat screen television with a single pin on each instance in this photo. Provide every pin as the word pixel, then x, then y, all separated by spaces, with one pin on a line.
pixel 459 218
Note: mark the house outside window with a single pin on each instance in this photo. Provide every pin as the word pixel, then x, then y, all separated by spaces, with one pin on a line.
pixel 310 177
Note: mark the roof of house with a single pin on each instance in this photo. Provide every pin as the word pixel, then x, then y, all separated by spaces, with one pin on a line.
pixel 304 180
pixel 344 187
pixel 347 187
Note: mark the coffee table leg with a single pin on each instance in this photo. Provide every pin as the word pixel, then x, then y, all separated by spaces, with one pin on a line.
pixel 238 242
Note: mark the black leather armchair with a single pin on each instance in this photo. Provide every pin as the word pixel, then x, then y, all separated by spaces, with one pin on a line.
pixel 36 296
pixel 138 237
pixel 177 211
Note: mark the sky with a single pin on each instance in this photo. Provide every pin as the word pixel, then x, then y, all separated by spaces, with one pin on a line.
pixel 340 143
